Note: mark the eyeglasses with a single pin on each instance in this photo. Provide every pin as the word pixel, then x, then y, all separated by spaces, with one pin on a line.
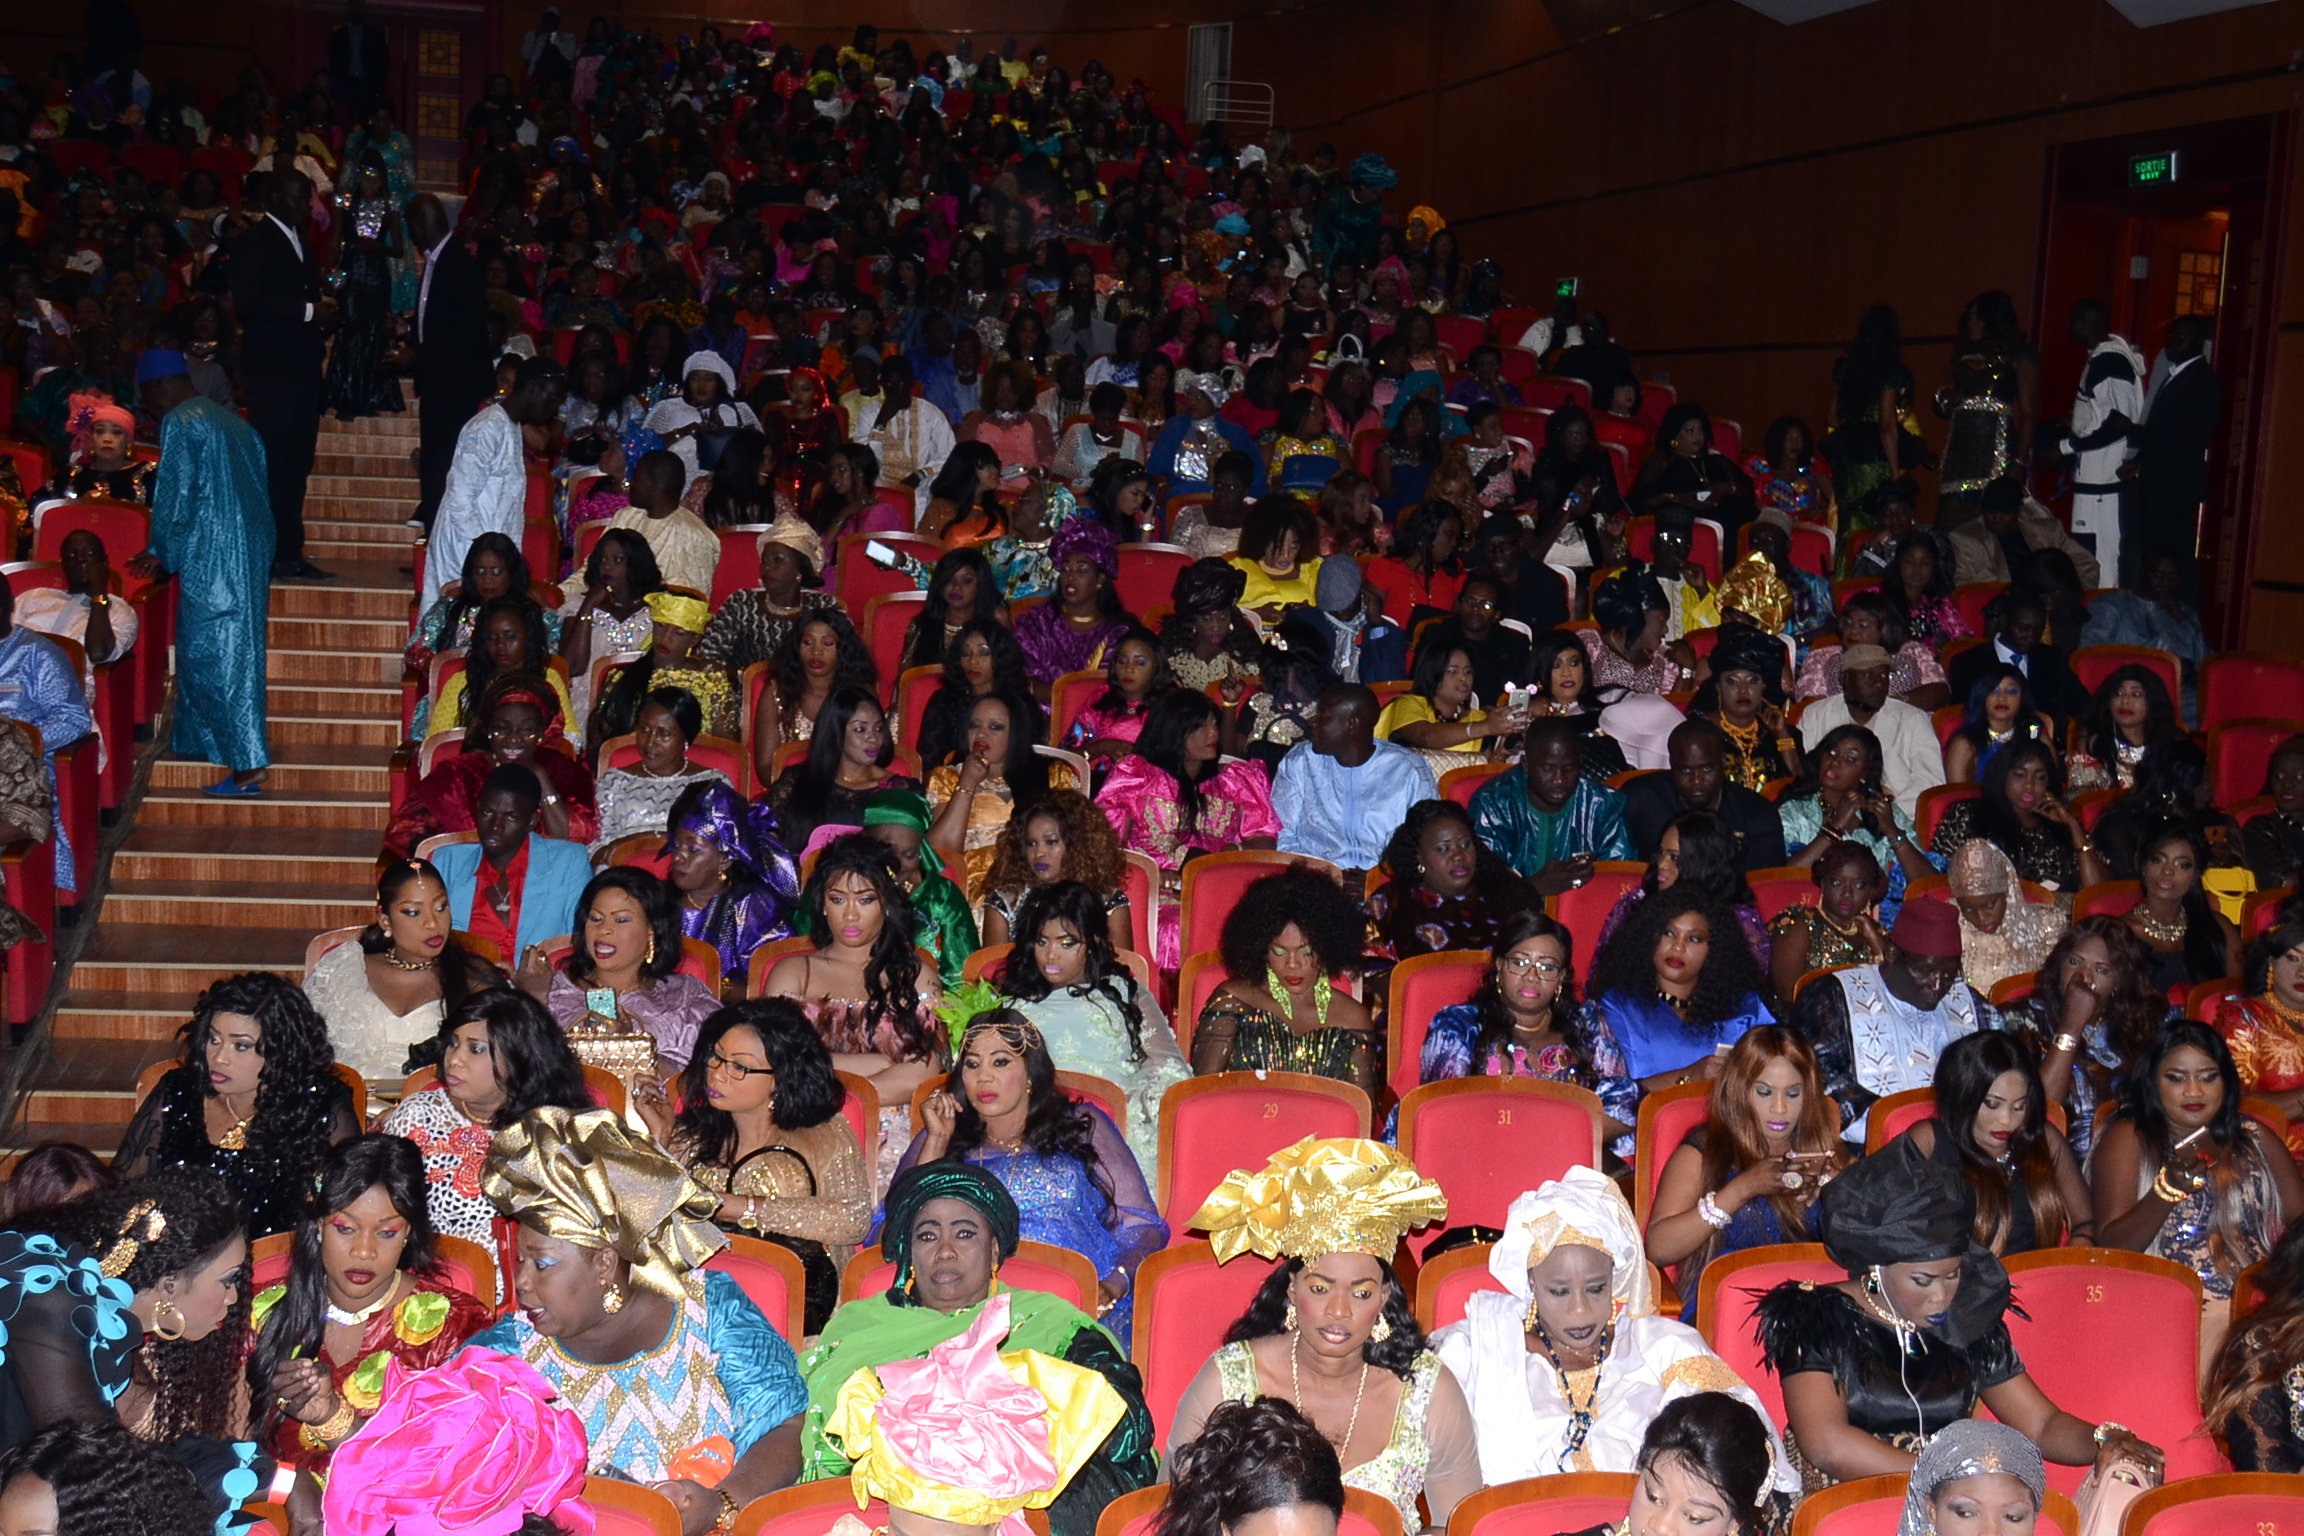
pixel 1521 965
pixel 735 1069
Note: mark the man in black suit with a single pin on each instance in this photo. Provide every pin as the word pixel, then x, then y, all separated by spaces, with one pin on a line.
pixel 2018 642
pixel 283 318
pixel 2170 466
pixel 454 373
pixel 358 61
pixel 1698 781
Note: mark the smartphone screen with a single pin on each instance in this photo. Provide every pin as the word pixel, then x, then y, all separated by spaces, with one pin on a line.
pixel 602 1001
pixel 880 552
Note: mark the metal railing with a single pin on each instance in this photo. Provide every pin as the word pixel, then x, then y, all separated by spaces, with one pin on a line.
pixel 1237 101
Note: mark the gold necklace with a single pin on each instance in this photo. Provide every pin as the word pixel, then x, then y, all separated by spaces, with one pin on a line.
pixel 1296 1395
pixel 392 958
pixel 2159 932
pixel 2292 1017
pixel 235 1138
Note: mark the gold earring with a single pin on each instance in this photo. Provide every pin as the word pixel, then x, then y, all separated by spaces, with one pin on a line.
pixel 1288 1318
pixel 161 1312
pixel 1381 1332
pixel 1529 1326
pixel 612 1300
pixel 650 957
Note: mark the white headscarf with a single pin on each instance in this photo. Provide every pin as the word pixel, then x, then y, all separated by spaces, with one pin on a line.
pixel 712 362
pixel 1581 1206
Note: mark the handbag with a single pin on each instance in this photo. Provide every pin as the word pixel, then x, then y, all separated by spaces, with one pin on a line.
pixel 2106 1493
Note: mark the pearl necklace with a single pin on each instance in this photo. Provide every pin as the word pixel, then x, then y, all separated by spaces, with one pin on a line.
pixel 359 1319
pixel 679 770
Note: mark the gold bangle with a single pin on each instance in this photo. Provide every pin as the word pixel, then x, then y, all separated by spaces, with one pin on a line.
pixel 321 1436
pixel 2067 1042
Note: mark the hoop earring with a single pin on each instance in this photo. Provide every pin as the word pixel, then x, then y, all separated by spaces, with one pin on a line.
pixel 612 1300
pixel 161 1312
pixel 1288 1318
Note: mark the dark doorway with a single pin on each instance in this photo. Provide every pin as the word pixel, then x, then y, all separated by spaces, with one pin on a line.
pixel 2203 240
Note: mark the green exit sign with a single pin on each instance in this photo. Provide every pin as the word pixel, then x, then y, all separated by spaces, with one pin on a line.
pixel 2152 170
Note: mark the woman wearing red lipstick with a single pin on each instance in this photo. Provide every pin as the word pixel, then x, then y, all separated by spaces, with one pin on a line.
pixel 1291 933
pixel 2265 1028
pixel 362 1294
pixel 865 988
pixel 999 772
pixel 1750 1175
pixel 2182 1174
pixel 1448 890
pixel 257 1099
pixel 2030 1191
pixel 1064 837
pixel 821 657
pixel 388 992
pixel 759 1125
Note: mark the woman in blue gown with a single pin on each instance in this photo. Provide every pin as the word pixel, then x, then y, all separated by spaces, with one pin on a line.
pixel 1666 1002
pixel 1066 1165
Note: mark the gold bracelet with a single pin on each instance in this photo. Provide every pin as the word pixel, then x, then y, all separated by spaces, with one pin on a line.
pixel 729 1510
pixel 2067 1042
pixel 321 1436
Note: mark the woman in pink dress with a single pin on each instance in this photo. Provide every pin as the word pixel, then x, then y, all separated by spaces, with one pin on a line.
pixel 1009 426
pixel 1106 730
pixel 1170 799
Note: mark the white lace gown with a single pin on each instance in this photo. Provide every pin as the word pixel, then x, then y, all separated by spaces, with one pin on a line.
pixel 367 1036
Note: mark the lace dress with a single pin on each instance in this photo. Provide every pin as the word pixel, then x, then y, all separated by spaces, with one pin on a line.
pixel 639 802
pixel 611 636
pixel 367 1036
pixel 815 1200
pixel 270 1175
pixel 1238 1036
pixel 1401 1471
pixel 1086 1033
pixel 849 1027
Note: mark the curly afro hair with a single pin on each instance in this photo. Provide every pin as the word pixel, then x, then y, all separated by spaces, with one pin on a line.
pixel 1092 854
pixel 1315 905
pixel 1627 963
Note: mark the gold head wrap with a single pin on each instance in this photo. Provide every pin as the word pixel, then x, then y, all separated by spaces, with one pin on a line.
pixel 577 1175
pixel 1338 1194
pixel 795 535
pixel 968 1434
pixel 680 611
pixel 1754 589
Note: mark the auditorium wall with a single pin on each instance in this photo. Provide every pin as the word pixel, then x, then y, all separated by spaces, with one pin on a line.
pixel 1734 192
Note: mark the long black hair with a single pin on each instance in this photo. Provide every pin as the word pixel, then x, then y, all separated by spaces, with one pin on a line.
pixel 1965 1073
pixel 467 598
pixel 2204 953
pixel 855 668
pixel 643 573
pixel 1174 716
pixel 924 636
pixel 1724 1442
pixel 1975 730
pixel 2102 734
pixel 299 1320
pixel 197 1381
pixel 737 495
pixel 1711 862
pixel 534 1064
pixel 659 904
pixel 1995 812
pixel 1811 786
pixel 1025 771
pixel 1725 984
pixel 808 1092
pixel 1103 974
pixel 1249 1457
pixel 1162 679
pixel 106 1480
pixel 1054 1125
pixel 461 972
pixel 892 970
pixel 819 774
pixel 1268 1310
pixel 480 664
pixel 298 1090
pixel 2139 1090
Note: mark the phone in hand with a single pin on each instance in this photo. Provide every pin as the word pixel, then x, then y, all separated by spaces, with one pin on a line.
pixel 602 1001
pixel 880 553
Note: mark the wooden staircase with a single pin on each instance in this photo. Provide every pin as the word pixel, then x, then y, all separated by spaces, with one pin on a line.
pixel 201 888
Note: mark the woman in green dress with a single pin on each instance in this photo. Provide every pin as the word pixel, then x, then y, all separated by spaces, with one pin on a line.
pixel 947 929
pixel 949 1227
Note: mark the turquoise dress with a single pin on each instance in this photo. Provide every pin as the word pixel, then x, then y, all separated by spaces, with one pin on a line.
pixel 212 526
pixel 1087 1034
pixel 721 1370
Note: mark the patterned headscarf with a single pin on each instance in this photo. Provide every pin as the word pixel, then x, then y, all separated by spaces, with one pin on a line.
pixel 964 1182
pixel 1086 536
pixel 1980 867
pixel 579 1176
pixel 744 833
pixel 1373 173
pixel 1968 1448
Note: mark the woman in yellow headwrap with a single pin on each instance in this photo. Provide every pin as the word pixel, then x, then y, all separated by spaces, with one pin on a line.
pixel 1336 1209
pixel 678 621
pixel 680 1381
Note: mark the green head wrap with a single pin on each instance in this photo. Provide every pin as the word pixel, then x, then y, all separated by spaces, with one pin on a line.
pixel 944 1180
pixel 904 808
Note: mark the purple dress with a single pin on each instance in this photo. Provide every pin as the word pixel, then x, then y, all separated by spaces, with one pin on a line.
pixel 672 1010
pixel 1052 647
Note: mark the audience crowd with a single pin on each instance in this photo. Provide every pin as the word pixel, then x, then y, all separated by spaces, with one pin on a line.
pixel 964 600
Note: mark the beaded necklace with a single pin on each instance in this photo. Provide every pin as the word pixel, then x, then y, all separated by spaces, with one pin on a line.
pixel 1580 1415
